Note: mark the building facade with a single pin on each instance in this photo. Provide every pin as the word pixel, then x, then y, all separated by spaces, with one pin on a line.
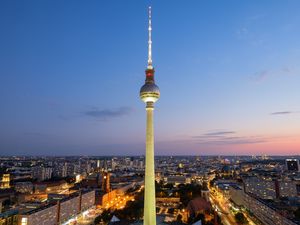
pixel 264 212
pixel 59 212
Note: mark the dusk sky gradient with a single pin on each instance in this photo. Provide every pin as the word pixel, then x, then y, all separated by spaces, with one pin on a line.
pixel 228 71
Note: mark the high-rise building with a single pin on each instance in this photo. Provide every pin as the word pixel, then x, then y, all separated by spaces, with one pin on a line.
pixel 262 187
pixel 113 164
pixel 41 173
pixel 64 170
pixel 292 165
pixel 149 94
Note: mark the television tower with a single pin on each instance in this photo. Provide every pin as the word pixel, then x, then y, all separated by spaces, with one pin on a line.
pixel 149 94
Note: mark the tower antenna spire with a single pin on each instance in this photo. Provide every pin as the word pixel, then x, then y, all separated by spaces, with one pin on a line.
pixel 150 40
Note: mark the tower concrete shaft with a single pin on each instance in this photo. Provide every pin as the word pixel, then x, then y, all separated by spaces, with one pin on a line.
pixel 149 201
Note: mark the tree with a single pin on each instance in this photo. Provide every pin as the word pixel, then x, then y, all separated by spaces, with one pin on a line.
pixel 179 218
pixel 240 218
pixel 187 192
pixel 297 213
pixel 105 217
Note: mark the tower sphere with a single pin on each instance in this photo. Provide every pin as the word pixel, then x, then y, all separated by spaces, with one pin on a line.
pixel 149 92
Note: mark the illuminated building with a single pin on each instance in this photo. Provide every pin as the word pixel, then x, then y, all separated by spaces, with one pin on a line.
pixel 62 211
pixel 270 188
pixel 176 179
pixel 105 181
pixel 149 93
pixel 9 217
pixel 5 181
pixel 47 214
pixel 24 187
pixel 262 187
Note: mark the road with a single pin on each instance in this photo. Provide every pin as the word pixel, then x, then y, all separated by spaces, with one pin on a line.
pixel 223 208
pixel 222 211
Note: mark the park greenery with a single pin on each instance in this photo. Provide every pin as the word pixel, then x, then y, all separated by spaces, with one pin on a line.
pixel 297 214
pixel 133 211
pixel 240 218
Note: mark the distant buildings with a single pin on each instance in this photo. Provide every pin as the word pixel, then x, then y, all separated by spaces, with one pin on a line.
pixel 271 188
pixel 41 173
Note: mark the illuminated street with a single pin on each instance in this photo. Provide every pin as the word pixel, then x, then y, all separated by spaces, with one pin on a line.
pixel 222 205
pixel 118 202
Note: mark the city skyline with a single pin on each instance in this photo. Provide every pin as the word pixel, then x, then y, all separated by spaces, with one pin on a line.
pixel 69 79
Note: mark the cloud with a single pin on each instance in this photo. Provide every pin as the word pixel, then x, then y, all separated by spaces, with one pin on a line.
pixel 286 70
pixel 105 114
pixel 242 32
pixel 217 133
pixel 233 140
pixel 261 76
pixel 227 138
pixel 256 17
pixel 282 113
pixel 237 141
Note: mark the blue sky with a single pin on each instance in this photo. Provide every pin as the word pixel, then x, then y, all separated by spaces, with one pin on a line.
pixel 70 73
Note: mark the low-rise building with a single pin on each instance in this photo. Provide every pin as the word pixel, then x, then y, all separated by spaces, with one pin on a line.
pixel 24 187
pixel 236 195
pixel 176 179
pixel 9 217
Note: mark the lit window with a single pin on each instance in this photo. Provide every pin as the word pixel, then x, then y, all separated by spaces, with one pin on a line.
pixel 24 221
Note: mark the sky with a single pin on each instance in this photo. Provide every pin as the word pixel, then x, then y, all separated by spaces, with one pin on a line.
pixel 228 72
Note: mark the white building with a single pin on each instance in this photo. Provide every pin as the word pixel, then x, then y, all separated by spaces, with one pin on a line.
pixel 41 173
